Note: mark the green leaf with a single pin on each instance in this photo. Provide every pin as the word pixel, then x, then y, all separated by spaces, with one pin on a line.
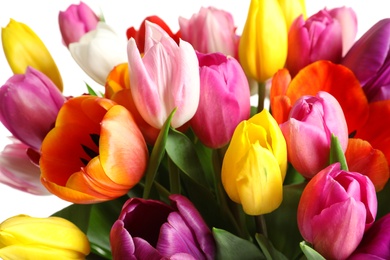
pixel 337 153
pixel 156 156
pixel 78 214
pixel 183 153
pixel 229 246
pixel 268 249
pixel 90 90
pixel 309 252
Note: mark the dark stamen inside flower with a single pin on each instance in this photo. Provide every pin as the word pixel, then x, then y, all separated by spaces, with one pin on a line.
pixel 95 138
pixel 89 151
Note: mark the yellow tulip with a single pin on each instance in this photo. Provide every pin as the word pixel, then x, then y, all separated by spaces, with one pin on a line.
pixel 263 43
pixel 22 48
pixel 255 165
pixel 25 237
pixel 292 9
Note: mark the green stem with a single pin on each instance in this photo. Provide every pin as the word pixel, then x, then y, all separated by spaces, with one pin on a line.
pixel 174 177
pixel 261 226
pixel 261 95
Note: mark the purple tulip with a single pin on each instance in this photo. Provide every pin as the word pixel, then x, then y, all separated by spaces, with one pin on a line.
pixel 151 229
pixel 211 30
pixel 224 99
pixel 29 105
pixel 17 170
pixel 369 59
pixel 76 21
pixel 376 241
pixel 317 38
pixel 335 209
pixel 308 131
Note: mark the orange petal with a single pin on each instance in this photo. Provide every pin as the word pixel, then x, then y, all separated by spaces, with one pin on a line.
pixel 122 148
pixel 117 80
pixel 280 103
pixel 362 158
pixel 339 81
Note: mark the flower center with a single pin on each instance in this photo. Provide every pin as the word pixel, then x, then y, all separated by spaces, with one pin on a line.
pixel 91 152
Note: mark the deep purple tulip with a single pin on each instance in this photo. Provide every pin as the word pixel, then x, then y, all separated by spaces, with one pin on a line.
pixel 334 211
pixel 224 99
pixel 369 59
pixel 308 131
pixel 376 241
pixel 151 229
pixel 76 21
pixel 29 104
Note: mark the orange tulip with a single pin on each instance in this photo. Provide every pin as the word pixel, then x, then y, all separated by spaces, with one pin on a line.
pixel 117 88
pixel 95 152
pixel 322 75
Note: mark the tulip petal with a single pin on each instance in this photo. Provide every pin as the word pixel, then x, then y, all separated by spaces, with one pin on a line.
pixel 143 250
pixel 122 245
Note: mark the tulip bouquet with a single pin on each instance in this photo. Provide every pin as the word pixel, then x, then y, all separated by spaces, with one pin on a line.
pixel 170 159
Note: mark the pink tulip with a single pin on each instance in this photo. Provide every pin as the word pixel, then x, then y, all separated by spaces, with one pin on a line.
pixel 29 105
pixel 211 30
pixel 335 209
pixel 376 241
pixel 224 99
pixel 317 38
pixel 17 170
pixel 312 121
pixel 165 78
pixel 76 21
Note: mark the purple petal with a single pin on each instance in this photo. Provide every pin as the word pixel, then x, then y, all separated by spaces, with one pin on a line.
pixel 122 245
pixel 143 250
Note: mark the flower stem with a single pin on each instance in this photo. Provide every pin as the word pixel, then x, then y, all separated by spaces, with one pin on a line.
pixel 261 226
pixel 174 177
pixel 261 95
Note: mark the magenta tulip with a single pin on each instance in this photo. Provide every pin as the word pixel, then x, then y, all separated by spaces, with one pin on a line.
pixel 376 241
pixel 165 78
pixel 29 105
pixel 317 38
pixel 369 59
pixel 211 30
pixel 224 99
pixel 151 229
pixel 18 171
pixel 308 130
pixel 335 209
pixel 75 21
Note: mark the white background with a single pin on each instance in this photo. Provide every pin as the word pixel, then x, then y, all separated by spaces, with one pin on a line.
pixel 42 17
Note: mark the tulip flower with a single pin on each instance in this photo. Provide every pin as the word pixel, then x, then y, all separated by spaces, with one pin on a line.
pixel 151 229
pixel 165 78
pixel 99 51
pixel 23 48
pixel 309 129
pixel 139 36
pixel 263 43
pixel 317 38
pixel 94 153
pixel 292 9
pixel 75 21
pixel 255 165
pixel 25 237
pixel 368 59
pixel 224 99
pixel 376 241
pixel 29 104
pixel 334 211
pixel 17 170
pixel 117 88
pixel 211 30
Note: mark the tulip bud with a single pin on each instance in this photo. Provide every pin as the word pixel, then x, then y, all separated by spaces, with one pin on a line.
pixel 99 51
pixel 210 30
pixel 292 9
pixel 317 38
pixel 376 241
pixel 75 21
pixel 263 43
pixel 308 131
pixel 29 105
pixel 17 170
pixel 165 78
pixel 25 237
pixel 95 152
pixel 161 231
pixel 368 59
pixel 224 99
pixel 23 48
pixel 335 209
pixel 255 165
